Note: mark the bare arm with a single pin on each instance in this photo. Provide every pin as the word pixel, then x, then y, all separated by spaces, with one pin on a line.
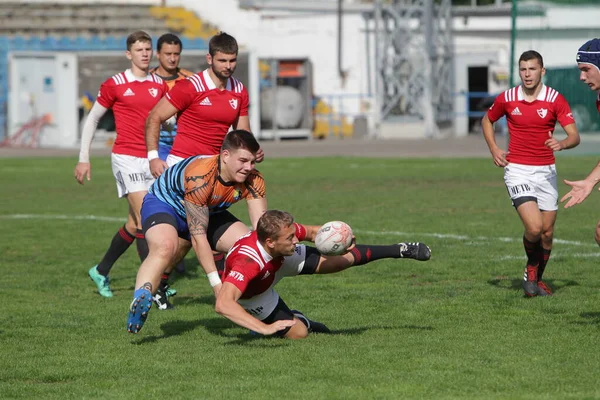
pixel 162 111
pixel 498 155
pixel 197 219
pixel 228 307
pixel 256 208
pixel 572 139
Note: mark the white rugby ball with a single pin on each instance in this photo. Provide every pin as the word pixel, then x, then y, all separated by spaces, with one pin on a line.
pixel 334 238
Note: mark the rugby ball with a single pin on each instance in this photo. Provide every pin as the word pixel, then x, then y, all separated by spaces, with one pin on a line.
pixel 333 238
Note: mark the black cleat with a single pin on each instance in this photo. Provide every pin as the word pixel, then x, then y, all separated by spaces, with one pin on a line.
pixel 161 299
pixel 417 251
pixel 530 283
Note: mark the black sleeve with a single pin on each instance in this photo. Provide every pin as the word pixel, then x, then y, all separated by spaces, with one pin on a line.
pixel 311 262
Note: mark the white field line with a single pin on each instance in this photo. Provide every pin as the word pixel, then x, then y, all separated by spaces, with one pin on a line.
pixel 463 238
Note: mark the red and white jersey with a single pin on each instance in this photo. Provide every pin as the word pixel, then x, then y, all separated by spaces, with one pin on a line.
pixel 205 113
pixel 530 122
pixel 131 100
pixel 252 270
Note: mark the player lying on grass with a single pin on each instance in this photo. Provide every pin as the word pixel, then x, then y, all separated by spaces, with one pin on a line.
pixel 261 258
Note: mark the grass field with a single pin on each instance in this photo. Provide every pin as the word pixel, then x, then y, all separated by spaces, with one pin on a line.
pixel 454 327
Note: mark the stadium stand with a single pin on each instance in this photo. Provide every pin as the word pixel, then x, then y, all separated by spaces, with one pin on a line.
pixel 58 19
pixel 85 27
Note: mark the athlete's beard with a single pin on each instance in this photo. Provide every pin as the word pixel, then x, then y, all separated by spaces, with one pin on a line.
pixel 220 76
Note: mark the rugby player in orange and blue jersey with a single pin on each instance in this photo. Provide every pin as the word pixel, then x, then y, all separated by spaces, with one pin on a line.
pixel 187 206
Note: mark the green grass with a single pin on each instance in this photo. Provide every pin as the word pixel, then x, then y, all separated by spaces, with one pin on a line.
pixel 454 327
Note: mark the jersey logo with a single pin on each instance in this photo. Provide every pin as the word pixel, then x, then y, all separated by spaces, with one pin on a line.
pixel 237 194
pixel 542 112
pixel 516 111
pixel 233 103
pixel 236 276
pixel 129 92
pixel 205 102
pixel 267 274
pixel 153 92
pixel 570 115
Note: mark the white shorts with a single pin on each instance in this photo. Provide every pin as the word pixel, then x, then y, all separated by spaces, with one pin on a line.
pixel 532 182
pixel 172 160
pixel 131 173
pixel 262 305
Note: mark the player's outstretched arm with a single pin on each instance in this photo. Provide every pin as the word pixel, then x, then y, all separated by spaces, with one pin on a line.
pixel 228 307
pixel 162 111
pixel 83 169
pixel 580 190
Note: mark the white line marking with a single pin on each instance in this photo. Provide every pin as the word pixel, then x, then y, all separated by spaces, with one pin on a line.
pixel 372 233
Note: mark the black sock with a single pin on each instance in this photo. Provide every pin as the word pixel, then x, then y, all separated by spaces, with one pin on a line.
pixel 543 261
pixel 164 281
pixel 142 245
pixel 119 244
pixel 533 251
pixel 366 253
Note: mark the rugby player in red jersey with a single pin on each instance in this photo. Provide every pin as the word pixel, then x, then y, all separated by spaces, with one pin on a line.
pixel 207 104
pixel 532 110
pixel 259 260
pixel 131 95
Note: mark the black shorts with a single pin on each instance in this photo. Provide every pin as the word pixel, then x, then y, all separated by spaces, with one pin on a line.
pixel 281 313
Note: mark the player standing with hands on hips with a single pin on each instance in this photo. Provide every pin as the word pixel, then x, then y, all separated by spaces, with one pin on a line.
pixel 532 110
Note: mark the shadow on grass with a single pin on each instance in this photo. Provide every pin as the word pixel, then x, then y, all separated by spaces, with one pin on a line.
pixel 178 327
pixel 193 300
pixel 590 318
pixel 517 284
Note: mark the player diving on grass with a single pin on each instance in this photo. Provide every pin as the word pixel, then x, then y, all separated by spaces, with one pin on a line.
pixel 263 257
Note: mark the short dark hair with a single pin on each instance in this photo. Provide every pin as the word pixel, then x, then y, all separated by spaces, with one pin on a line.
pixel 168 38
pixel 224 43
pixel 139 36
pixel 270 223
pixel 240 139
pixel 532 55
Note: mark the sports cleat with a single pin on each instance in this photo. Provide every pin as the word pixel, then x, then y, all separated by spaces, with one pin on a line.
pixel 543 289
pixel 530 282
pixel 138 311
pixel 101 281
pixel 313 326
pixel 418 251
pixel 161 298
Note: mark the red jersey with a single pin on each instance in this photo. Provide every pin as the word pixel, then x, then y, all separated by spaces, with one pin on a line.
pixel 598 102
pixel 251 269
pixel 530 122
pixel 131 101
pixel 205 113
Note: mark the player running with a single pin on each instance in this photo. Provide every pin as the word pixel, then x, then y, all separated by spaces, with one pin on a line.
pixel 532 110
pixel 131 95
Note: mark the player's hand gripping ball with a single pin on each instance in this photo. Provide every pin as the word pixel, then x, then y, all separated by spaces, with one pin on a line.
pixel 334 238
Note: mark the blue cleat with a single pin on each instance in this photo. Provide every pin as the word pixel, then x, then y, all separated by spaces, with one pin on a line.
pixel 138 311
